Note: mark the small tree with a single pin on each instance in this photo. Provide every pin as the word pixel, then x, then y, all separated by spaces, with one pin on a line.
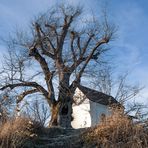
pixel 64 44
pixel 36 111
pixel 123 91
pixel 6 106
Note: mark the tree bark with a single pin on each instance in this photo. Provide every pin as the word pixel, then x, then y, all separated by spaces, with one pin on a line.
pixel 61 114
pixel 54 115
pixel 65 99
pixel 61 111
pixel 65 113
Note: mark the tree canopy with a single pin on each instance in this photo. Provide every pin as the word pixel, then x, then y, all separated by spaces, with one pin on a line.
pixel 59 48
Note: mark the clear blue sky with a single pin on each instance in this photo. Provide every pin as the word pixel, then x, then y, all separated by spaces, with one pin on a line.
pixel 131 16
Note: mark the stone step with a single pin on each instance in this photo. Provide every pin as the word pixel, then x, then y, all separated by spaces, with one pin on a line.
pixel 60 141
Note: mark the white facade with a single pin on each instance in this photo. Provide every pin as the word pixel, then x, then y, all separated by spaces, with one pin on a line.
pixel 96 111
pixel 81 115
pixel 88 113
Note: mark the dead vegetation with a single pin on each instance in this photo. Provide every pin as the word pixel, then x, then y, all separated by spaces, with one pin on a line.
pixel 18 132
pixel 117 131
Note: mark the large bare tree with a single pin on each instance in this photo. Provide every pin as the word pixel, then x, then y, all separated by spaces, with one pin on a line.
pixel 65 44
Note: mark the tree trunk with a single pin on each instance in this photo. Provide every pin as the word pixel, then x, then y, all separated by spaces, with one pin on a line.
pixel 61 114
pixel 54 115
pixel 65 110
pixel 65 114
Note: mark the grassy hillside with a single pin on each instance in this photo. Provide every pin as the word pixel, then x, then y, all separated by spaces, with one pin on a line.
pixel 116 131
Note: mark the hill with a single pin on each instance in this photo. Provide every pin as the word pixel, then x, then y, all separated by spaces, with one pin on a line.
pixel 116 131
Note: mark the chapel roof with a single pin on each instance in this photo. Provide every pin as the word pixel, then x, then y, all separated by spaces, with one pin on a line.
pixel 97 96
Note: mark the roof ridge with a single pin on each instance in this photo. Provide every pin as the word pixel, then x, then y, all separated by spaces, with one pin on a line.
pixel 96 96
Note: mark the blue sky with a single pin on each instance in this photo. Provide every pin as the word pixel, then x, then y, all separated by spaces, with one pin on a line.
pixel 131 17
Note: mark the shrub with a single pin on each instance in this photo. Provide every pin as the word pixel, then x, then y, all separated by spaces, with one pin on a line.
pixel 18 132
pixel 117 131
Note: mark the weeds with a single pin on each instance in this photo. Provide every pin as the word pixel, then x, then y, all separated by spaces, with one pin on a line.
pixel 18 132
pixel 117 131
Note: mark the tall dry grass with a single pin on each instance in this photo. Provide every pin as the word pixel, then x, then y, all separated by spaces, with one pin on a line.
pixel 117 131
pixel 17 133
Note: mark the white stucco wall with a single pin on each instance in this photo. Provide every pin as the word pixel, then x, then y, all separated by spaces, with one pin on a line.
pixel 88 113
pixel 81 113
pixel 81 116
pixel 96 110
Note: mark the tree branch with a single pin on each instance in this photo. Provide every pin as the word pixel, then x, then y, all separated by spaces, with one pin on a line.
pixel 28 84
pixel 53 28
pixel 82 52
pixel 72 47
pixel 40 41
pixel 43 64
pixel 89 58
pixel 66 25
pixel 25 93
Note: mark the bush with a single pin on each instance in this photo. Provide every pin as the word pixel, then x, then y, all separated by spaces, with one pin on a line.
pixel 117 131
pixel 18 132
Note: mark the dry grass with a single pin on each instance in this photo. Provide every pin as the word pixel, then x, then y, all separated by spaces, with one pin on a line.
pixel 117 131
pixel 16 133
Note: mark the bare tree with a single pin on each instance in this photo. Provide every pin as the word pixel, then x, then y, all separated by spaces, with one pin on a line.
pixel 64 44
pixel 123 91
pixel 6 106
pixel 37 110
